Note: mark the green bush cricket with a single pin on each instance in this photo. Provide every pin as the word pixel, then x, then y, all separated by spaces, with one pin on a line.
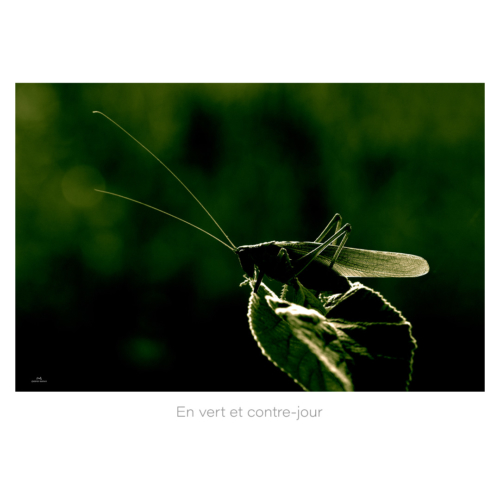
pixel 322 265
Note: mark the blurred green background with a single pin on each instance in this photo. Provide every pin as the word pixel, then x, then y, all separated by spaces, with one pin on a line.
pixel 114 296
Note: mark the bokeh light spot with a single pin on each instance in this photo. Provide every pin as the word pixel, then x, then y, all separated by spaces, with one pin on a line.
pixel 144 352
pixel 78 186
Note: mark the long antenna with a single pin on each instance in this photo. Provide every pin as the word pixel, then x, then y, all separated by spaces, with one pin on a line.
pixel 185 187
pixel 166 213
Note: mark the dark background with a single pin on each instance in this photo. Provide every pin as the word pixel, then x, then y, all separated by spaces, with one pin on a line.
pixel 114 296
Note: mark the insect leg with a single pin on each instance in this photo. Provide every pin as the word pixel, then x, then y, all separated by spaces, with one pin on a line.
pixel 340 247
pixel 285 259
pixel 337 220
pixel 258 281
pixel 308 258
pixel 337 229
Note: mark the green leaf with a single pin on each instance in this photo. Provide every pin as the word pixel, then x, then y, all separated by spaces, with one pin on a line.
pixel 377 337
pixel 293 338
pixel 343 342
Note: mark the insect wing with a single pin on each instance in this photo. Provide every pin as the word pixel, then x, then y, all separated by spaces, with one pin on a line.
pixel 357 263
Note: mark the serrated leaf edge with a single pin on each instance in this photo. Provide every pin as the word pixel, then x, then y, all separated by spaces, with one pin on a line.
pixel 249 315
pixel 359 285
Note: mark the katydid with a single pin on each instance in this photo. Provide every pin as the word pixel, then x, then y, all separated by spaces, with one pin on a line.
pixel 322 265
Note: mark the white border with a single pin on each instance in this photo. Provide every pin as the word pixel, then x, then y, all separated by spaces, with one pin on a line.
pixel 116 445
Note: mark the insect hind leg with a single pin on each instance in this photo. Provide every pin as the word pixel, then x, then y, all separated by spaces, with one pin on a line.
pixel 308 258
pixel 341 246
pixel 337 222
